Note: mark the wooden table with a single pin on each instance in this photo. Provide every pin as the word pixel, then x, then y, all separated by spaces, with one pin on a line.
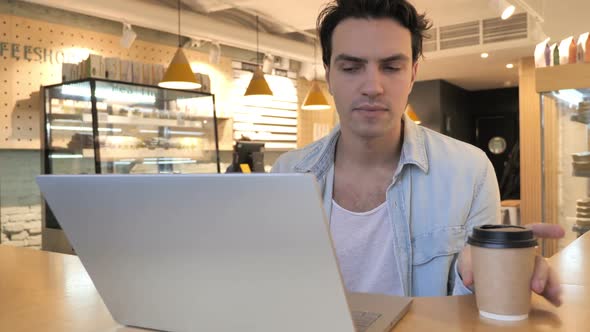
pixel 42 291
pixel 459 313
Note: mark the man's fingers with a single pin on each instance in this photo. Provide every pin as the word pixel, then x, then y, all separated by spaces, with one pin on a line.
pixel 540 275
pixel 465 267
pixel 547 231
pixel 553 289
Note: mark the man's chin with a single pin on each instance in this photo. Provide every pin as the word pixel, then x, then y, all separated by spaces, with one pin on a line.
pixel 371 133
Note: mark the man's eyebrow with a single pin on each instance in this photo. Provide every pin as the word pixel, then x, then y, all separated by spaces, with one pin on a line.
pixel 396 57
pixel 350 58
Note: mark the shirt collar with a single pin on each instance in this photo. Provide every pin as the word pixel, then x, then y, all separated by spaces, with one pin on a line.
pixel 413 150
pixel 414 147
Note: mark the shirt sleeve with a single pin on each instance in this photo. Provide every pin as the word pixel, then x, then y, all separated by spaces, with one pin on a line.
pixel 485 209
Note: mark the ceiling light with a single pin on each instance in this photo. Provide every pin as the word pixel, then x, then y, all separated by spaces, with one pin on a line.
pixel 509 66
pixel 507 13
pixel 504 8
pixel 485 55
pixel 258 86
pixel 315 100
pixel 215 53
pixel 268 63
pixel 179 74
pixel 507 10
pixel 128 36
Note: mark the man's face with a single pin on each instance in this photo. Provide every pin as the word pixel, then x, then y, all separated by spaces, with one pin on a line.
pixel 371 74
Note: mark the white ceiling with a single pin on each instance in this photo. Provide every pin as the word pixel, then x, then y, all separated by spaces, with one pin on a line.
pixel 465 67
pixel 290 25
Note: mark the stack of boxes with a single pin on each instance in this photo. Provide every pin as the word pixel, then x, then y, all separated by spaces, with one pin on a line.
pixel 582 216
pixel 95 66
pixel 581 163
pixel 583 114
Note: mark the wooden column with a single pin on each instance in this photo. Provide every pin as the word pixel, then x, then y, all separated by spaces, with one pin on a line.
pixel 537 200
pixel 530 144
pixel 550 136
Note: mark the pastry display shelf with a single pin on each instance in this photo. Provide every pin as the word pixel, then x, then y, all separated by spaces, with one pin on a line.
pixel 194 122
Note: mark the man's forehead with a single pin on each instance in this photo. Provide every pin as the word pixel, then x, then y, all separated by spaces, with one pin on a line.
pixel 383 26
pixel 365 38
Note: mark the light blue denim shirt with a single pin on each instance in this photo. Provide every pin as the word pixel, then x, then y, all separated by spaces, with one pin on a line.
pixel 441 189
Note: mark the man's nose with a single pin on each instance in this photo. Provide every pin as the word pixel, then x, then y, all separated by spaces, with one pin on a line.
pixel 373 83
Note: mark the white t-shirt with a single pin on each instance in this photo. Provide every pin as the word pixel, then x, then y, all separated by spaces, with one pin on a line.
pixel 364 247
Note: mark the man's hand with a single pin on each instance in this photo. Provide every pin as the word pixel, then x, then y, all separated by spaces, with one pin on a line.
pixel 544 281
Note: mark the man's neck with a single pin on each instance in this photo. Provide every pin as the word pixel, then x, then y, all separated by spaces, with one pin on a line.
pixel 373 152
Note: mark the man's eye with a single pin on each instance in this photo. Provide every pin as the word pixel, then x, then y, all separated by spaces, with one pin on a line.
pixel 350 69
pixel 392 68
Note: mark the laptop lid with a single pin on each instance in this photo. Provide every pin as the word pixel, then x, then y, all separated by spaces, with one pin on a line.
pixel 204 252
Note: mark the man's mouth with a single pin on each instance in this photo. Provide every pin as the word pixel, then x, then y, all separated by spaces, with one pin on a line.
pixel 371 108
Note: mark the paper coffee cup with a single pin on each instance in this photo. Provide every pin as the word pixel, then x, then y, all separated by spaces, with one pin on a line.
pixel 503 258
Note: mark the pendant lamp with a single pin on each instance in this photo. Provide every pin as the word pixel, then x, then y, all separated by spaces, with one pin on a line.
pixel 179 74
pixel 258 86
pixel 412 115
pixel 315 99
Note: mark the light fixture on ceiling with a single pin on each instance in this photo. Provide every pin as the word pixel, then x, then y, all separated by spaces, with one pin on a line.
pixel 315 99
pixel 504 8
pixel 485 55
pixel 215 53
pixel 258 86
pixel 412 115
pixel 509 66
pixel 507 9
pixel 128 36
pixel 179 74
pixel 268 63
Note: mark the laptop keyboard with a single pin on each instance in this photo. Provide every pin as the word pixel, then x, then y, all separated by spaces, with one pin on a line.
pixel 363 320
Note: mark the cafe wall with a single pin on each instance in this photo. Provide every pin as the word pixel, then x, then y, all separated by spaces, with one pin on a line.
pixel 34 42
pixel 31 53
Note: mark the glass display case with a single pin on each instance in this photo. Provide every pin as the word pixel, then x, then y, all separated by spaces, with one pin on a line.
pixel 565 121
pixel 97 126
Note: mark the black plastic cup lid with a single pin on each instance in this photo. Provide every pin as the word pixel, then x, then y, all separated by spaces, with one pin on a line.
pixel 502 237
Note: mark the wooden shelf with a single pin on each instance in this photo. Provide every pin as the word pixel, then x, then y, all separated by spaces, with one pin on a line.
pixel 65 116
pixel 108 154
pixel 138 121
pixel 575 76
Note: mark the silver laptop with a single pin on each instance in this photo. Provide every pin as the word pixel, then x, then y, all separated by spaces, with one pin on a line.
pixel 212 252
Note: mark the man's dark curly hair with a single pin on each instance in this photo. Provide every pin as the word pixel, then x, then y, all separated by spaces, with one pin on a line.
pixel 400 11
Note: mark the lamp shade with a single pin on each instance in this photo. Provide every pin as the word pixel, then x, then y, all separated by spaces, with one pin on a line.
pixel 179 74
pixel 258 85
pixel 315 100
pixel 412 115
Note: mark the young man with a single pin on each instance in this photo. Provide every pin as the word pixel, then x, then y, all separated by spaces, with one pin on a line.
pixel 401 199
